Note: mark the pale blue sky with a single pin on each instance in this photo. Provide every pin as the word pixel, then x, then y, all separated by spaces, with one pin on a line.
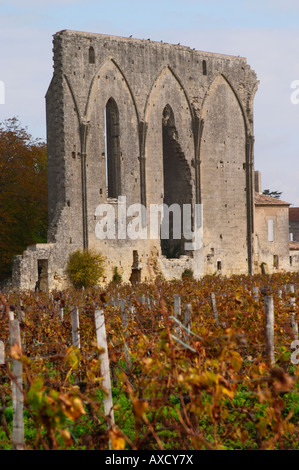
pixel 266 32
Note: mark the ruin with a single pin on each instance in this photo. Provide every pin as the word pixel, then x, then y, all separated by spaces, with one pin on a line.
pixel 157 124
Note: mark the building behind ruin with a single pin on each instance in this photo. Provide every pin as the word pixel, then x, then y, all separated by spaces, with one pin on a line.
pixel 294 224
pixel 271 218
pixel 140 122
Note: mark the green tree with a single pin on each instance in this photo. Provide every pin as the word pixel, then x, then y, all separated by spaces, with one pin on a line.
pixel 85 268
pixel 23 192
pixel 275 194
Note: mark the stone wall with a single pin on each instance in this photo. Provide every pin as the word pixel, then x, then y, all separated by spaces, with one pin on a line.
pixel 40 267
pixel 178 129
pixel 271 234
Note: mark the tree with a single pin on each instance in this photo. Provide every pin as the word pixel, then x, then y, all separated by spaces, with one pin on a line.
pixel 275 194
pixel 85 268
pixel 23 192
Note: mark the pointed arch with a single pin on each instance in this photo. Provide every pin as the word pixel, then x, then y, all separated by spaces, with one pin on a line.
pixel 177 187
pixel 163 71
pixel 112 159
pixel 112 149
pixel 108 63
pixel 225 170
pixel 220 76
pixel 73 97
pixel 170 148
pixel 250 105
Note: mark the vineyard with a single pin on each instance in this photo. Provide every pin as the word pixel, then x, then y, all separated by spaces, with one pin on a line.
pixel 177 365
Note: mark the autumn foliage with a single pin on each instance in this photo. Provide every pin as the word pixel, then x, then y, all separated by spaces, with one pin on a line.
pixel 85 268
pixel 23 192
pixel 213 389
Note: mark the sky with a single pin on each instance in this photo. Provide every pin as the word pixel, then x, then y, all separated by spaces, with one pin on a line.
pixel 266 32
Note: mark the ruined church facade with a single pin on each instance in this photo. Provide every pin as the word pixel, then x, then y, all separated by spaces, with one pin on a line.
pixel 147 123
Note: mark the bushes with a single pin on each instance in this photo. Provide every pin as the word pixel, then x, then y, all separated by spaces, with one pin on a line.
pixel 85 268
pixel 117 277
pixel 187 274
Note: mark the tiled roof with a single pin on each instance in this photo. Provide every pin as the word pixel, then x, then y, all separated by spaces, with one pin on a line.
pixel 294 245
pixel 264 200
pixel 294 214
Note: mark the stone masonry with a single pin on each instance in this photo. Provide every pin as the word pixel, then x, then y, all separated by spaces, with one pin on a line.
pixel 154 123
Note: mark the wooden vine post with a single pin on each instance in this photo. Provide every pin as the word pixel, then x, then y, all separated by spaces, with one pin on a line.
pixel 2 353
pixel 61 313
pixel 177 312
pixel 75 327
pixel 269 329
pixel 255 291
pixel 17 388
pixel 214 308
pixel 105 369
pixel 187 317
pixel 294 323
pixel 124 321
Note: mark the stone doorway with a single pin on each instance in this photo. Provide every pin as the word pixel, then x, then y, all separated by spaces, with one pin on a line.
pixel 42 281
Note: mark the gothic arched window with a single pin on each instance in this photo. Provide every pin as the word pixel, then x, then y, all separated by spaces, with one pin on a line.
pixel 92 57
pixel 177 188
pixel 112 141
